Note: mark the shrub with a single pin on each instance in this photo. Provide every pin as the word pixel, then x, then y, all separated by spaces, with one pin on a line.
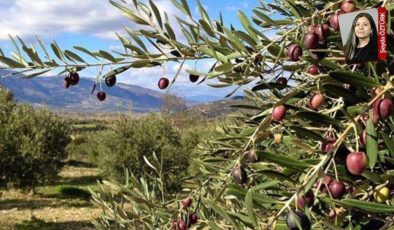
pixel 32 144
pixel 81 146
pixel 126 144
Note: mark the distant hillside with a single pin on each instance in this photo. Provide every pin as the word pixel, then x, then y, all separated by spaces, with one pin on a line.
pixel 50 92
pixel 219 108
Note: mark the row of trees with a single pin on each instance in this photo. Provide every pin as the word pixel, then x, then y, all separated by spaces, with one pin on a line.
pixel 36 143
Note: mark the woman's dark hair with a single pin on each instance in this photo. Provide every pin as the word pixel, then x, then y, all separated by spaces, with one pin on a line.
pixel 352 40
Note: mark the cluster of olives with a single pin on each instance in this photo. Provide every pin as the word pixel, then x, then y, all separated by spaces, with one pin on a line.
pixel 191 219
pixel 72 79
pixel 336 189
pixel 109 81
pixel 317 34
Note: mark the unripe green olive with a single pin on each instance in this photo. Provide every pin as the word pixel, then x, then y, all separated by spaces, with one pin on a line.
pixel 381 195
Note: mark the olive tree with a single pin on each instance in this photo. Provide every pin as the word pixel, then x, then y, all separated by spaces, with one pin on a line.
pixel 32 144
pixel 130 142
pixel 315 149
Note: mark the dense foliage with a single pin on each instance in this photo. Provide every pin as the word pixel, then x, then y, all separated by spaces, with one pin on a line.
pixel 32 144
pixel 129 142
pixel 267 170
pixel 125 143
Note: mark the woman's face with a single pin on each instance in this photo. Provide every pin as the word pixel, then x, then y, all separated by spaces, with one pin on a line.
pixel 363 28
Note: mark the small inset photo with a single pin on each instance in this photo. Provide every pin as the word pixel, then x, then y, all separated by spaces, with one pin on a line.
pixel 361 33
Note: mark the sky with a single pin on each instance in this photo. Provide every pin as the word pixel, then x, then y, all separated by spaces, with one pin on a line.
pixel 93 23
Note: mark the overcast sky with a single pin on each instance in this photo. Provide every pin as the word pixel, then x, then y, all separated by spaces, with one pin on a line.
pixel 93 23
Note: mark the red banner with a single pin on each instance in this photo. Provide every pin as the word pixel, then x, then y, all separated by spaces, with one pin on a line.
pixel 382 33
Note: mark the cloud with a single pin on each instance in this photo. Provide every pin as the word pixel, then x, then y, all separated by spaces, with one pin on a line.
pixel 232 8
pixel 53 18
pixel 118 48
pixel 148 78
pixel 49 18
pixel 237 7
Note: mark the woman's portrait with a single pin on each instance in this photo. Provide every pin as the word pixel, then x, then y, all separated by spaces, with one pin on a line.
pixel 361 44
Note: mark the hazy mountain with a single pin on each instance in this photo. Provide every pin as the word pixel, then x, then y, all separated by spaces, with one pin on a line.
pixel 50 92
pixel 205 98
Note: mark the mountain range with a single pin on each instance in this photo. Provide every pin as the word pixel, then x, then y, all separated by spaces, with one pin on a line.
pixel 49 92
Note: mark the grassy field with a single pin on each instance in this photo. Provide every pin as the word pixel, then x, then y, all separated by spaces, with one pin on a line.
pixel 62 205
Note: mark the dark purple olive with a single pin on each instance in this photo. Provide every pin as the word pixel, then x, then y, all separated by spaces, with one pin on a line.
pixel 327 145
pixel 375 118
pixel 311 40
pixel 337 188
pixel 356 163
pixel 101 96
pixel 193 218
pixel 187 202
pixel 239 175
pixel 281 80
pixel 306 199
pixel 239 60
pixel 313 69
pixel 252 157
pixel 334 22
pixel 298 218
pixel 383 108
pixel 294 52
pixel 110 81
pixel 278 113
pixel 163 83
pixel 363 138
pixel 193 78
pixel 322 31
pixel 311 29
pixel 67 82
pixel 182 225
pixel 74 78
pixel 317 55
